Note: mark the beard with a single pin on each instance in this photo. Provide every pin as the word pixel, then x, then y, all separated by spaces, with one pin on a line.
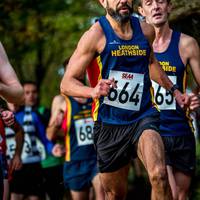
pixel 115 14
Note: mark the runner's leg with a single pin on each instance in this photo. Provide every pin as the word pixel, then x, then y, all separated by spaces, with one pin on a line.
pixel 151 153
pixel 183 182
pixel 99 192
pixel 115 183
pixel 172 182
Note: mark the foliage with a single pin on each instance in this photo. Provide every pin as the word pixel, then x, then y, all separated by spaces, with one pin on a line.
pixel 39 35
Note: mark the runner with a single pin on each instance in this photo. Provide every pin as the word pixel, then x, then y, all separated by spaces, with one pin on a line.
pixel 14 142
pixel 176 52
pixel 80 167
pixel 28 181
pixel 53 165
pixel 127 121
pixel 10 90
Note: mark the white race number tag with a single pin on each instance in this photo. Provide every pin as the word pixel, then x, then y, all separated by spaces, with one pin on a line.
pixel 128 94
pixel 10 142
pixel 27 151
pixel 84 131
pixel 164 98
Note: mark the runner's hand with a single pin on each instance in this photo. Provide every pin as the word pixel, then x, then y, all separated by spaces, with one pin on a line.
pixel 58 150
pixel 16 163
pixel 8 117
pixel 103 88
pixel 182 99
pixel 194 101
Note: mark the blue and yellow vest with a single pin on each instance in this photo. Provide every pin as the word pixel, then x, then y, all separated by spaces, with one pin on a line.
pixel 78 126
pixel 173 119
pixel 127 61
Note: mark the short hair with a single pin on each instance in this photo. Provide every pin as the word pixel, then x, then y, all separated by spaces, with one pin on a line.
pixel 30 83
pixel 140 1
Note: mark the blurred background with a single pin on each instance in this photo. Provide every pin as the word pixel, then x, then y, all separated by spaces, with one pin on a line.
pixel 39 35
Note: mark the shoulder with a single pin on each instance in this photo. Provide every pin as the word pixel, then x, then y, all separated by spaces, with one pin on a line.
pixel 95 30
pixel 148 31
pixel 188 44
pixel 58 99
pixel 59 103
pixel 187 41
pixel 92 38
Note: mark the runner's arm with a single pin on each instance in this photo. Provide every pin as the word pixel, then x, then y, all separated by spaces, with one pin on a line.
pixel 157 74
pixel 10 88
pixel 88 46
pixel 71 83
pixel 16 162
pixel 190 53
pixel 19 138
pixel 193 53
pixel 54 130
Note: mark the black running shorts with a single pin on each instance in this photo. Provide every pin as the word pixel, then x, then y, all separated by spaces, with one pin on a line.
pixel 180 152
pixel 28 180
pixel 117 144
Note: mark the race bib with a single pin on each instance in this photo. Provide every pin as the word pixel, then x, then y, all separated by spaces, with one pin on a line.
pixel 84 131
pixel 128 94
pixel 28 148
pixel 41 148
pixel 10 142
pixel 164 98
pixel 11 146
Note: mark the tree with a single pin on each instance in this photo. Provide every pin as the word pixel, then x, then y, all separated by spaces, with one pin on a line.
pixel 40 35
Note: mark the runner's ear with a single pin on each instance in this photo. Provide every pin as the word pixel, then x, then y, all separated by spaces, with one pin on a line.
pixel 103 3
pixel 141 11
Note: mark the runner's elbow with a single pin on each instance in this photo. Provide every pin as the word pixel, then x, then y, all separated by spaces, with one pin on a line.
pixel 17 96
pixel 64 89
